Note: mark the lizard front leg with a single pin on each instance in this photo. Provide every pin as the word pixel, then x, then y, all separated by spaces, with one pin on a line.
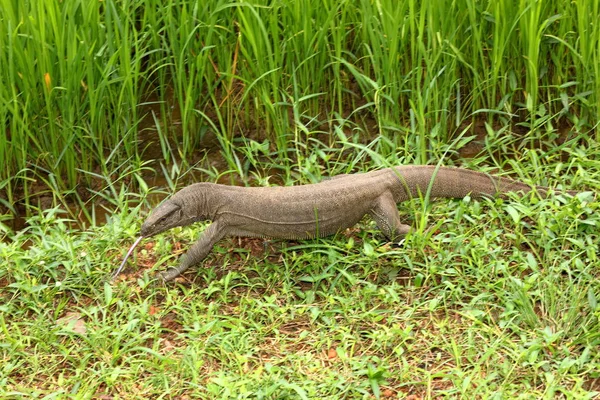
pixel 199 250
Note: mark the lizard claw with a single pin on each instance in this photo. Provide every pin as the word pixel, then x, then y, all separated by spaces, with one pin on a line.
pixel 398 244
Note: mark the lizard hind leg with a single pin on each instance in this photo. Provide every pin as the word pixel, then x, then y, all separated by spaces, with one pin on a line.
pixel 385 214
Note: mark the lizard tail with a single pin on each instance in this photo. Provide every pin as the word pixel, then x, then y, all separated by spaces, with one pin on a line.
pixel 449 182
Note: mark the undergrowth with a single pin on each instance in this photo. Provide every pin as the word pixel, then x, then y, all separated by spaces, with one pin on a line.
pixel 487 299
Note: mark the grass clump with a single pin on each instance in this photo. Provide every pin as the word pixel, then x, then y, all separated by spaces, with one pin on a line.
pixel 99 86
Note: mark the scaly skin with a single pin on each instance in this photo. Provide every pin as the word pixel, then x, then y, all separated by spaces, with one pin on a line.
pixel 315 210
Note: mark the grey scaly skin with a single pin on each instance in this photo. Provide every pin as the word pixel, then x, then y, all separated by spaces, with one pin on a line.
pixel 315 210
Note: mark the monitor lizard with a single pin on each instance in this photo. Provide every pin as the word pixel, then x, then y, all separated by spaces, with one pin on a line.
pixel 314 210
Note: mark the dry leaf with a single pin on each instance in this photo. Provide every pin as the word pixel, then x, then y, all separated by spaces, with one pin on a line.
pixel 73 322
pixel 332 353
pixel 47 80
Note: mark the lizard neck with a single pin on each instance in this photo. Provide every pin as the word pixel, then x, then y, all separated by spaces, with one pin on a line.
pixel 200 201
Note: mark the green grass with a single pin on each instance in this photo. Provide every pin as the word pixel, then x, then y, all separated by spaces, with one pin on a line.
pixel 82 80
pixel 490 299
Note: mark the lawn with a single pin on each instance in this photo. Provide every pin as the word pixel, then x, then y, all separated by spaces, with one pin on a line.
pixel 493 298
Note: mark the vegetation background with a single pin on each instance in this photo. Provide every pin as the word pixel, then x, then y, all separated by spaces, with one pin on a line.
pixel 107 105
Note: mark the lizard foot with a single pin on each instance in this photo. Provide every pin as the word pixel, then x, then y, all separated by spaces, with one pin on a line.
pixel 172 273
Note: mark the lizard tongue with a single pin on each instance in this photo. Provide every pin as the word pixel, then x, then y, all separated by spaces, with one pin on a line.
pixel 118 271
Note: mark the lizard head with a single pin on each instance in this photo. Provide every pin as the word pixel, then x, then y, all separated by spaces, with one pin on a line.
pixel 166 216
pixel 187 206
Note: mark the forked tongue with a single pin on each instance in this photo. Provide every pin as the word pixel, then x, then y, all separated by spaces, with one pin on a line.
pixel 133 246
